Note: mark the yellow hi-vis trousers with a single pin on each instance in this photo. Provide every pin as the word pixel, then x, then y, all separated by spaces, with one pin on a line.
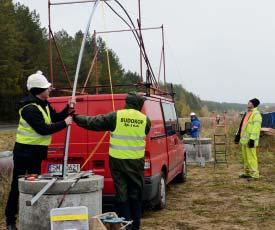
pixel 250 161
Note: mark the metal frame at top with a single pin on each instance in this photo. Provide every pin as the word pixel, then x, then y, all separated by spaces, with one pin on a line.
pixel 138 31
pixel 74 2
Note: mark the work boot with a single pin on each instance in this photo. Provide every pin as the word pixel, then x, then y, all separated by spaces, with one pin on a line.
pixel 11 227
pixel 135 206
pixel 243 175
pixel 252 178
pixel 123 210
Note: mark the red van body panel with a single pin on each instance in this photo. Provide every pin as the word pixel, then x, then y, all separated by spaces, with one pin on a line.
pixel 164 149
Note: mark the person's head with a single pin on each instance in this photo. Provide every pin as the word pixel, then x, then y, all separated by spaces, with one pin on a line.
pixel 38 85
pixel 134 101
pixel 193 115
pixel 253 103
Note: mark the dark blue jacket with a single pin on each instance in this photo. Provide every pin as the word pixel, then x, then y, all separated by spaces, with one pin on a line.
pixel 195 129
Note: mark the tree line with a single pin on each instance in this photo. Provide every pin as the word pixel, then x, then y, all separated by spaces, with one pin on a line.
pixel 24 50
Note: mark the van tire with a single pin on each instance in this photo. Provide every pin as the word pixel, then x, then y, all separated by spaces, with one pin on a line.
pixel 182 176
pixel 161 197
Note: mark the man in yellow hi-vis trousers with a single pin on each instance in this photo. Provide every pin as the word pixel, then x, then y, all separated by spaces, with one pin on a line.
pixel 248 136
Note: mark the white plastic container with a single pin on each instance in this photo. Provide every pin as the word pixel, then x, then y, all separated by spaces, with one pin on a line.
pixel 70 218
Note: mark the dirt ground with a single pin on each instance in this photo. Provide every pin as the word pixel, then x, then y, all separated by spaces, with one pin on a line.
pixel 210 199
pixel 218 199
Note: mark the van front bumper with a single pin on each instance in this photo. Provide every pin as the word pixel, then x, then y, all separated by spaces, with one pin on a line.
pixel 151 185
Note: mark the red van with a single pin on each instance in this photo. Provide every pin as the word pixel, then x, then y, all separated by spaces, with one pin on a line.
pixel 165 157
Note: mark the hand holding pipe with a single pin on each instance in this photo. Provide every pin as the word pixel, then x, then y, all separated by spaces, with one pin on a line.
pixel 71 105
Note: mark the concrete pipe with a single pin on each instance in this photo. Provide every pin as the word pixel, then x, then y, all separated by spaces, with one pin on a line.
pixel 87 192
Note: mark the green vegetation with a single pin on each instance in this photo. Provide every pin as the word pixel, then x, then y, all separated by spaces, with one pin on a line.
pixel 24 50
pixel 216 198
pixel 224 106
pixel 211 198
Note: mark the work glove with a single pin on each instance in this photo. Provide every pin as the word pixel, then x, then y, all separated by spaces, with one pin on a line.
pixel 237 139
pixel 251 143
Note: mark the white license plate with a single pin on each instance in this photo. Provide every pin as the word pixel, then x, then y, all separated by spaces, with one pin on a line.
pixel 57 168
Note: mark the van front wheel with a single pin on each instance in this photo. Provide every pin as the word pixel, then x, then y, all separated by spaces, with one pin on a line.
pixel 182 176
pixel 160 200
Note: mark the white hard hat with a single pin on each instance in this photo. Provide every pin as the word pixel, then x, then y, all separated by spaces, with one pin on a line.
pixel 192 114
pixel 38 80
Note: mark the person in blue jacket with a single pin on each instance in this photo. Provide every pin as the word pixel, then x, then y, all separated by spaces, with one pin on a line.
pixel 195 125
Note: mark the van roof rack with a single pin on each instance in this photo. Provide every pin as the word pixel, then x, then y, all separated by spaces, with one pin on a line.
pixel 139 87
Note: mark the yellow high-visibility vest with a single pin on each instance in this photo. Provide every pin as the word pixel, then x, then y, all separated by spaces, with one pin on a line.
pixel 127 141
pixel 27 135
pixel 252 128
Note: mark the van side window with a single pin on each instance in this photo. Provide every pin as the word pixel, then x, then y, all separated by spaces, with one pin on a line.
pixel 170 118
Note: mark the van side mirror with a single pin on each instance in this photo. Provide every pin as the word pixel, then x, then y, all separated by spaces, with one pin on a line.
pixel 188 127
pixel 181 134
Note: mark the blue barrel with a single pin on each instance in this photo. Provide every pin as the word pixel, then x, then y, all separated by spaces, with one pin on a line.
pixel 268 120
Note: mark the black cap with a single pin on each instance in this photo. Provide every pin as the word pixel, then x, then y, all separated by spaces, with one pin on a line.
pixel 36 91
pixel 134 101
pixel 255 102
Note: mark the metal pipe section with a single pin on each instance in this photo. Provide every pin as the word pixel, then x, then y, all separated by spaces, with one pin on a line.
pixel 140 49
pixel 96 73
pixel 50 44
pixel 160 65
pixel 163 53
pixel 90 71
pixel 75 2
pixel 64 171
pixel 129 30
pixel 41 193
pixel 66 89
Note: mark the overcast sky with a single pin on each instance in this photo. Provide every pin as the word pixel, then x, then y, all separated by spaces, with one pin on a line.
pixel 221 50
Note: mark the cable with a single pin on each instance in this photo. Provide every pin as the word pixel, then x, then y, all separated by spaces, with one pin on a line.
pixel 141 43
pixel 136 36
pixel 108 58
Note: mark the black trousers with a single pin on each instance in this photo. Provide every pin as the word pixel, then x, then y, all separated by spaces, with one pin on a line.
pixel 128 177
pixel 22 166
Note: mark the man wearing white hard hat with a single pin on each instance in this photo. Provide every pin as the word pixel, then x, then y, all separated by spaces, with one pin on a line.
pixel 195 125
pixel 38 121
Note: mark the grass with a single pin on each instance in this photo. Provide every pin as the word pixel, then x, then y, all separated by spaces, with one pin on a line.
pixel 217 198
pixel 7 139
pixel 210 199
